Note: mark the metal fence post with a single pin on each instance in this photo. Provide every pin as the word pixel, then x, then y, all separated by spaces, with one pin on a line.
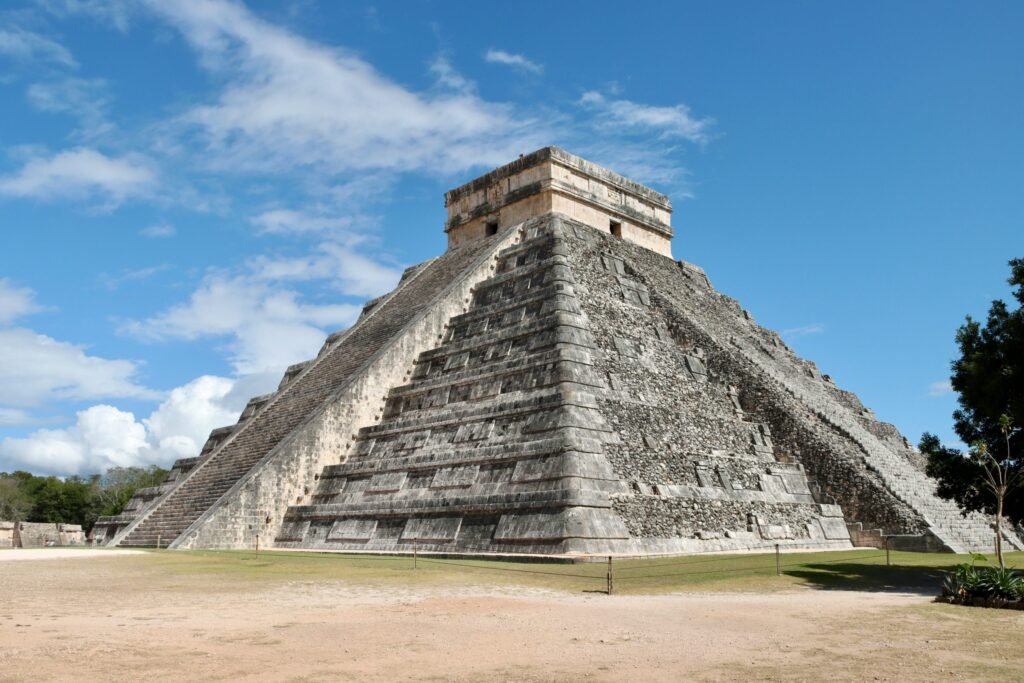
pixel 610 580
pixel 414 557
pixel 778 561
pixel 888 559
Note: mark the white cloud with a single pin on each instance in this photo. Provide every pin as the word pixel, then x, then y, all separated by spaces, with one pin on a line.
pixel 14 417
pixel 112 282
pixel 101 437
pixel 292 222
pixel 180 426
pixel 15 302
pixel 81 172
pixel 292 103
pixel 268 327
pixel 113 12
pixel 802 331
pixel 448 77
pixel 510 59
pixel 68 94
pixel 36 369
pixel 639 160
pixel 669 122
pixel 104 436
pixel 347 270
pixel 25 45
pixel 937 389
pixel 82 98
pixel 158 230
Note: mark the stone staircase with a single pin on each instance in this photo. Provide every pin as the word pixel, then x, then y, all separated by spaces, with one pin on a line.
pixel 959 533
pixel 293 404
pixel 493 444
pixel 107 526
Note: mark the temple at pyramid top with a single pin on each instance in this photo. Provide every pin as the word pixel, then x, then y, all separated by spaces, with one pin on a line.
pixel 552 179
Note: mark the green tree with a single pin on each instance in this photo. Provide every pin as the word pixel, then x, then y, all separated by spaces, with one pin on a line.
pixel 15 504
pixel 989 380
pixel 74 500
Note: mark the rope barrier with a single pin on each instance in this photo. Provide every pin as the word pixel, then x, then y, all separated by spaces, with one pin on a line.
pixel 710 571
pixel 730 570
pixel 721 558
pixel 619 569
pixel 368 557
pixel 507 569
pixel 840 559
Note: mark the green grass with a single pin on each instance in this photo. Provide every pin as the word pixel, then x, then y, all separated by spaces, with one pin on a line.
pixel 860 569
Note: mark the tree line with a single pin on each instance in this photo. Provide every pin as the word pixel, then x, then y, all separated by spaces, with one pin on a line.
pixel 26 497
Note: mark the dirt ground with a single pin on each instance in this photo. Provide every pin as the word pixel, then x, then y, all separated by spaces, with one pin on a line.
pixel 116 618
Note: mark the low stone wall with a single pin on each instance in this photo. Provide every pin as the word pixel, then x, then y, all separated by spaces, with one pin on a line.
pixel 8 534
pixel 39 534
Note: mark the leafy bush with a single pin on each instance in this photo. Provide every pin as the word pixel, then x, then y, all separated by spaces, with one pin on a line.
pixel 968 583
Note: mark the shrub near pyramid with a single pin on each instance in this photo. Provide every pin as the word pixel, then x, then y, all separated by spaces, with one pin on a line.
pixel 557 383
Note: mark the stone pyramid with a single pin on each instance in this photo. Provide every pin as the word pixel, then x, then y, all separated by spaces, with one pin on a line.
pixel 554 383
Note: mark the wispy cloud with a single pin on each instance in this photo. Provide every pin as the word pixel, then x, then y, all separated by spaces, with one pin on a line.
pixel 36 369
pixel 514 60
pixel 448 77
pixel 294 222
pixel 267 327
pixel 802 331
pixel 25 45
pixel 83 98
pixel 286 104
pixel 115 13
pixel 81 173
pixel 113 282
pixel 291 103
pixel 669 122
pixel 937 389
pixel 15 417
pixel 158 230
pixel 16 302
pixel 339 265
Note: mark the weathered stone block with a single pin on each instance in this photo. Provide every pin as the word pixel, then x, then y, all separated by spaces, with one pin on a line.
pixel 433 529
pixel 352 530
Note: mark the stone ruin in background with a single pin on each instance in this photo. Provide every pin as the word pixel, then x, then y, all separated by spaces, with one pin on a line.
pixel 554 383
pixel 40 534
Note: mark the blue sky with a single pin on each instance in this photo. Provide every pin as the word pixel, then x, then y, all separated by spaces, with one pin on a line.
pixel 193 194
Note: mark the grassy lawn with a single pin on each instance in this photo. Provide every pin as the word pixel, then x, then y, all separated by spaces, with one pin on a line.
pixel 860 569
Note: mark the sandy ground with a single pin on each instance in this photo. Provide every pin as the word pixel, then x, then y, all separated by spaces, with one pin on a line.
pixel 14 555
pixel 112 619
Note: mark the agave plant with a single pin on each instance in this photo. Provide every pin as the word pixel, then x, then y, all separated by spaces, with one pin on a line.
pixel 953 586
pixel 968 582
pixel 1002 583
pixel 959 582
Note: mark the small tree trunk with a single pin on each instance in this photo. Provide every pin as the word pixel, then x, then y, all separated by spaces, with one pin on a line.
pixel 999 527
